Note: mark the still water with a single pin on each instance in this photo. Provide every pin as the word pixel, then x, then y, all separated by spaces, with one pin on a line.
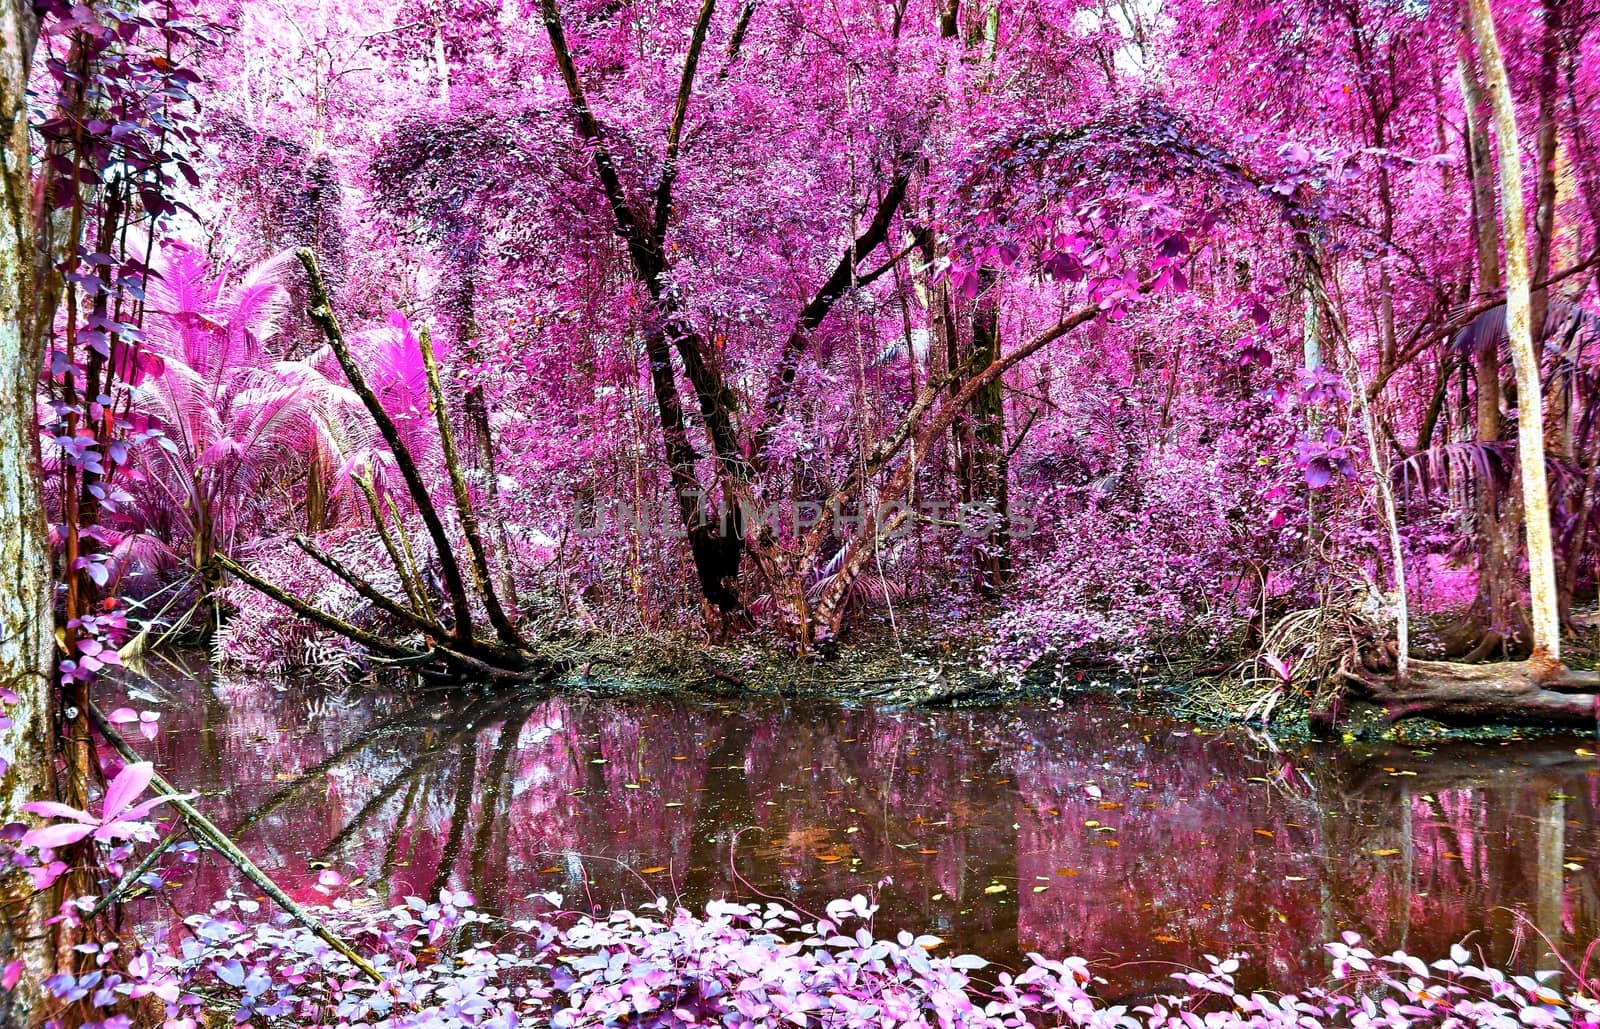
pixel 1136 840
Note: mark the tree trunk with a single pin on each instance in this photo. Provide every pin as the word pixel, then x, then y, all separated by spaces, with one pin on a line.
pixel 988 467
pixel 1495 616
pixel 1519 330
pixel 25 596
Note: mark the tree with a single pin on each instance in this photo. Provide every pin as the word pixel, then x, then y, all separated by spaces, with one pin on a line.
pixel 1519 329
pixel 25 631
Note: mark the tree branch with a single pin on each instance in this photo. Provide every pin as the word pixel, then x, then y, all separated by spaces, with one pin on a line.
pixel 311 613
pixel 669 165
pixel 458 485
pixel 839 281
pixel 322 314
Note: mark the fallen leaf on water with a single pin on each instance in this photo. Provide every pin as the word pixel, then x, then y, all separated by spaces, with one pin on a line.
pixel 1040 889
pixel 1109 805
pixel 630 785
pixel 1141 785
pixel 853 828
pixel 1268 833
pixel 1091 823
pixel 653 869
pixel 927 850
pixel 995 888
pixel 1573 866
pixel 675 803
pixel 830 858
pixel 1108 843
pixel 549 871
pixel 1168 939
pixel 1386 852
pixel 1294 878
pixel 1583 752
pixel 1452 855
pixel 1071 872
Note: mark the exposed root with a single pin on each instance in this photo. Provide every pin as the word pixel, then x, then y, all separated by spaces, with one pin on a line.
pixel 1299 659
pixel 1518 692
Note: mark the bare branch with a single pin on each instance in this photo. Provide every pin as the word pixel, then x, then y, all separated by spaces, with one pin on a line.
pixel 669 165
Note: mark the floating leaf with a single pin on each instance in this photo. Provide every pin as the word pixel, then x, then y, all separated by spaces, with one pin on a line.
pixel 1386 852
pixel 995 888
pixel 653 869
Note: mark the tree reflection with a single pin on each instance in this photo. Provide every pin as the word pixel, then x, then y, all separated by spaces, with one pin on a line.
pixel 1135 840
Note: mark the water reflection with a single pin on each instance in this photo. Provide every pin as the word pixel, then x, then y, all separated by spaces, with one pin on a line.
pixel 1132 839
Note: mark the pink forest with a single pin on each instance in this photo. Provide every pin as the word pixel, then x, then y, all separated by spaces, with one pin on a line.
pixel 800 513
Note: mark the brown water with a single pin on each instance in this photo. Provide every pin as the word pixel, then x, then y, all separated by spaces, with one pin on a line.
pixel 1135 840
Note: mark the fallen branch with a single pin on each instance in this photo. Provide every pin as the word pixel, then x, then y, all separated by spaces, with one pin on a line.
pixel 219 841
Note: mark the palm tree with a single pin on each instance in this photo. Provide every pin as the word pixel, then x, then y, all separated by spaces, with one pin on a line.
pixel 232 418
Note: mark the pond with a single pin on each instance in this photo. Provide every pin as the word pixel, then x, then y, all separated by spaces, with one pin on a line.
pixel 1136 840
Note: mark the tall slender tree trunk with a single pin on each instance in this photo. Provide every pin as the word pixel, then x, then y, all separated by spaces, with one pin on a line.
pixel 988 466
pixel 1519 330
pixel 25 593
pixel 1496 615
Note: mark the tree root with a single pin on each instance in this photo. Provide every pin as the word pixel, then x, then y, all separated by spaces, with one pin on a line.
pixel 1518 692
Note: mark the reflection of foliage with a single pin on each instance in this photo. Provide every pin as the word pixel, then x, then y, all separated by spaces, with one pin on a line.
pixel 1219 836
